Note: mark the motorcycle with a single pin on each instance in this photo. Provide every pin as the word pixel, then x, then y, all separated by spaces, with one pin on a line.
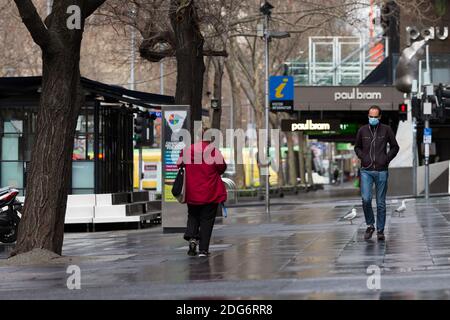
pixel 10 214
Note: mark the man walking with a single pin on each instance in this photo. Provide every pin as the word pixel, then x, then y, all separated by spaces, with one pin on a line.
pixel 371 149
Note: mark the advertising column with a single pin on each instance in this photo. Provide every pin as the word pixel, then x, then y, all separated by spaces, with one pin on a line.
pixel 174 119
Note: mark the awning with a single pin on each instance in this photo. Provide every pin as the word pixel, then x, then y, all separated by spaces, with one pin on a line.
pixel 18 86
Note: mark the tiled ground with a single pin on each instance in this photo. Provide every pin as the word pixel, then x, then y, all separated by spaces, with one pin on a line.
pixel 303 251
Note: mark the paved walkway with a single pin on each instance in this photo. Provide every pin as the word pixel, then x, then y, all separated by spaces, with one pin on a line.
pixel 299 252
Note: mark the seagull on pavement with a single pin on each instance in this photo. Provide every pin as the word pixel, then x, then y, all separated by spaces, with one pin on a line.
pixel 351 215
pixel 401 209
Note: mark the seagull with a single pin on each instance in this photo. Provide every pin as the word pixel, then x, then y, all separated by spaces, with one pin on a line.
pixel 401 209
pixel 351 215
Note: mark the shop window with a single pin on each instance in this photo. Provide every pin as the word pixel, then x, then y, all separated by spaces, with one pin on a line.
pixel 11 166
pixel 79 148
pixel 83 175
pixel 83 148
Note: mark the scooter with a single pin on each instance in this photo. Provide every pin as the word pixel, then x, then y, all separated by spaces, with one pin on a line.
pixel 10 214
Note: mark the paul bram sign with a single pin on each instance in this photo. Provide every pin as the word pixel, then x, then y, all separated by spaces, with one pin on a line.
pixel 356 94
pixel 346 98
pixel 310 125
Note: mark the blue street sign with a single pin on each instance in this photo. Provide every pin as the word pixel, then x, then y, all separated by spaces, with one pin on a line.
pixel 281 93
pixel 427 135
pixel 157 113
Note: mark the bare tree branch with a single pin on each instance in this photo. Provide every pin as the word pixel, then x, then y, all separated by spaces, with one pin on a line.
pixel 214 53
pixel 90 6
pixel 33 22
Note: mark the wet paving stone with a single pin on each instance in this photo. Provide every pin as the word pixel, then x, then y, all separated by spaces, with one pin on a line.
pixel 303 251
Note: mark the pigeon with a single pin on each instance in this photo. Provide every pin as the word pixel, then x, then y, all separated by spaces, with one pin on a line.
pixel 351 215
pixel 401 209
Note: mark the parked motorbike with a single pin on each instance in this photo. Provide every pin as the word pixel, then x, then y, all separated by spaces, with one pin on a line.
pixel 10 214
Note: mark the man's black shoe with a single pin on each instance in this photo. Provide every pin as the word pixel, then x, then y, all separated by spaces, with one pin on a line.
pixel 369 231
pixel 380 236
pixel 192 247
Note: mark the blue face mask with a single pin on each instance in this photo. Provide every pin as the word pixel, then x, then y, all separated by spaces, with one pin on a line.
pixel 373 121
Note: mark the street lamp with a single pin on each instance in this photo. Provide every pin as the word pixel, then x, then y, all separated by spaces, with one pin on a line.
pixel 266 10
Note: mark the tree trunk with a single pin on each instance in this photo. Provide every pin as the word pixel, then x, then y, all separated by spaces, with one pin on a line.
pixel 301 155
pixel 48 181
pixel 218 77
pixel 42 224
pixel 281 180
pixel 239 177
pixel 260 125
pixel 308 162
pixel 189 55
pixel 291 160
pixel 206 92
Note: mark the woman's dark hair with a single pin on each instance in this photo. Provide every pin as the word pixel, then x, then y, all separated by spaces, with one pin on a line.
pixel 376 108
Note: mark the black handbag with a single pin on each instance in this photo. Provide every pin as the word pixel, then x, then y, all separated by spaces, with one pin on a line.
pixel 178 188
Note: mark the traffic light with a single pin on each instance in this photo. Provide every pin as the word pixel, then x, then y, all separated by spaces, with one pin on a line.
pixel 403 111
pixel 139 128
pixel 385 19
pixel 151 137
pixel 443 96
pixel 389 21
pixel 443 102
pixel 266 8
pixel 285 69
pixel 143 129
pixel 416 108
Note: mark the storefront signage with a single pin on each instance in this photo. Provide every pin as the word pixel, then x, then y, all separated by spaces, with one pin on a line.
pixel 310 125
pixel 346 98
pixel 431 33
pixel 281 89
pixel 174 120
pixel 356 94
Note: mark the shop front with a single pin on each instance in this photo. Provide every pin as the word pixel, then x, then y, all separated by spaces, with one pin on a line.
pixel 103 143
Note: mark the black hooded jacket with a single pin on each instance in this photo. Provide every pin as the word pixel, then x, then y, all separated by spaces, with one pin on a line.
pixel 371 146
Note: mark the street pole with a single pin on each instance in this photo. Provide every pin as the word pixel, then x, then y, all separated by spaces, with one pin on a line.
pixel 161 76
pixel 427 165
pixel 252 120
pixel 427 82
pixel 132 87
pixel 133 58
pixel 267 178
pixel 414 148
pixel 330 161
pixel 414 92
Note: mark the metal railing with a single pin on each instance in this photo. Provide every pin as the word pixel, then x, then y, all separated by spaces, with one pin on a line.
pixel 329 64
pixel 231 188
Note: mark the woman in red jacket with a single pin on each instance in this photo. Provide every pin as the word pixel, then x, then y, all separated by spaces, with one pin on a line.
pixel 204 164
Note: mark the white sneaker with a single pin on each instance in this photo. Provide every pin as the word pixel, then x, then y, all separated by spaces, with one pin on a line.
pixel 203 254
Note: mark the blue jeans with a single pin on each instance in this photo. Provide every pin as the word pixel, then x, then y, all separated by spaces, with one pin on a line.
pixel 380 178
